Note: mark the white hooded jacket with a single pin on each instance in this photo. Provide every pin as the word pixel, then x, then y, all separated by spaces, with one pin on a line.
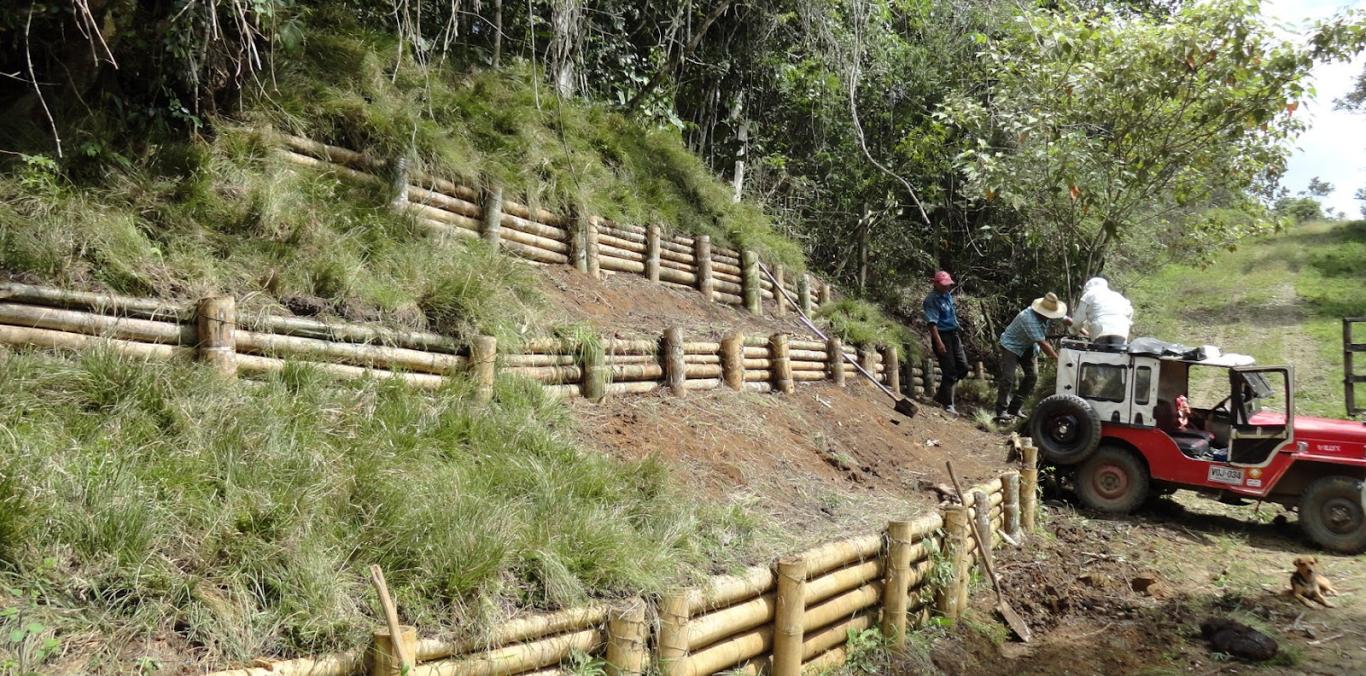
pixel 1102 312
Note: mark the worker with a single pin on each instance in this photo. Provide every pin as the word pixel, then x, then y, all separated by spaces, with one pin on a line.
pixel 1103 314
pixel 942 317
pixel 1019 343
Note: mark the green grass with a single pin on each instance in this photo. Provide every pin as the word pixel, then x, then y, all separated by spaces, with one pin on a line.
pixel 141 500
pixel 1279 298
pixel 859 322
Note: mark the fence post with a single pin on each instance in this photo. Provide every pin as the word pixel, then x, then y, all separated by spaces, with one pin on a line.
pixel 779 362
pixel 590 245
pixel 867 359
pixel 779 291
pixel 892 365
pixel 750 277
pixel 578 242
pixel 826 293
pixel 1010 505
pixel 980 371
pixel 652 252
pixel 215 334
pixel 398 182
pixel 675 375
pixel 491 224
pixel 483 359
pixel 928 367
pixel 593 369
pixel 948 597
pixel 834 360
pixel 788 616
pixel 733 360
pixel 895 594
pixel 981 508
pixel 626 632
pixel 1029 486
pixel 804 293
pixel 701 254
pixel 673 633
pixel 384 653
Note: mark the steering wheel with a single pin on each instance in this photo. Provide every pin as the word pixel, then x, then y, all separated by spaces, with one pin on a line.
pixel 1222 407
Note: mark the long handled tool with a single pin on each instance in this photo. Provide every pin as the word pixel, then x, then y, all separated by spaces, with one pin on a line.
pixel 1012 618
pixel 902 405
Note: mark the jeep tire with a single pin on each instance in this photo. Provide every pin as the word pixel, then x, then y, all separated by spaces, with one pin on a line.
pixel 1113 480
pixel 1332 514
pixel 1065 428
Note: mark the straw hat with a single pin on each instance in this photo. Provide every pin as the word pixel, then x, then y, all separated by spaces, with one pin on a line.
pixel 1049 306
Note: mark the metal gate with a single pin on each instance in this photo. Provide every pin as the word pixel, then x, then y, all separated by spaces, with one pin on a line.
pixel 1349 377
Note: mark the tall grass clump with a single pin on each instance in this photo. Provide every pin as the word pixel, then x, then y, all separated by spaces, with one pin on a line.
pixel 144 500
pixel 859 322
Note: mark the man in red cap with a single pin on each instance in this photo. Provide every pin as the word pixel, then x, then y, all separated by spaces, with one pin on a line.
pixel 942 317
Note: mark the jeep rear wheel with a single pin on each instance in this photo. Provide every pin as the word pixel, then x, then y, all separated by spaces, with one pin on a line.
pixel 1065 428
pixel 1332 514
pixel 1113 480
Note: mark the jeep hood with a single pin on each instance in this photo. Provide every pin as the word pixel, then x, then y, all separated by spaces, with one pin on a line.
pixel 1328 429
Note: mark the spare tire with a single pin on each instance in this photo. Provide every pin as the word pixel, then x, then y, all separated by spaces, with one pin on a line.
pixel 1065 428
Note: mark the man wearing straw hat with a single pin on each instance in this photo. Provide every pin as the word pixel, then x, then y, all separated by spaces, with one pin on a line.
pixel 942 317
pixel 1026 333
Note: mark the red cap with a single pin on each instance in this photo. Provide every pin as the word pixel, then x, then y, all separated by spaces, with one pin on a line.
pixel 942 277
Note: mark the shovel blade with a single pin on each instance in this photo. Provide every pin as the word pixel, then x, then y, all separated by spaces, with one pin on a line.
pixel 906 407
pixel 1014 621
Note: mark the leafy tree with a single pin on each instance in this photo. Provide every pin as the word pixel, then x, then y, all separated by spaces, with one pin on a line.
pixel 1360 196
pixel 1299 209
pixel 1319 188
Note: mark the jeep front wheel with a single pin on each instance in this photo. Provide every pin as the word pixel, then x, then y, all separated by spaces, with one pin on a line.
pixel 1065 428
pixel 1113 480
pixel 1331 514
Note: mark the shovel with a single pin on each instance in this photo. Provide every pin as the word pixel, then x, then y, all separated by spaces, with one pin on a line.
pixel 1012 618
pixel 902 405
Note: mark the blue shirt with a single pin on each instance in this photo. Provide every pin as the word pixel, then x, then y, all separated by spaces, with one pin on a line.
pixel 1024 331
pixel 939 311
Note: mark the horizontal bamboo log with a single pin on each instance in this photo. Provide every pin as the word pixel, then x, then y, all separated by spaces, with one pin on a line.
pixel 666 264
pixel 336 664
pixel 630 346
pixel 100 303
pixel 701 358
pixel 730 256
pixel 725 268
pixel 564 391
pixel 756 341
pixel 741 617
pixel 697 347
pixel 808 366
pixel 608 238
pixel 625 359
pixel 549 375
pixel 758 387
pixel 669 253
pixel 328 152
pixel 807 354
pixel 842 580
pixel 830 660
pixel 702 370
pixel 430 182
pixel 271 344
pixel 728 653
pixel 636 371
pixel 836 554
pixel 74 321
pixel 667 274
pixel 842 606
pixel 820 641
pixel 631 387
pixel 631 233
pixel 817 346
pixel 758 363
pixel 514 659
pixel 443 231
pixel 533 228
pixel 808 376
pixel 727 298
pixel 756 351
pixel 992 487
pixel 61 340
pixel 758 375
pixel 702 384
pixel 623 254
pixel 351 333
pixel 250 363
pixel 723 590
pixel 516 631
pixel 535 253
pixel 516 360
pixel 722 286
pixel 339 169
pixel 523 211
pixel 438 200
pixel 608 262
pixel 555 245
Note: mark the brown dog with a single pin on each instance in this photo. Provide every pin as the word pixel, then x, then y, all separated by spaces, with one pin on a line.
pixel 1306 583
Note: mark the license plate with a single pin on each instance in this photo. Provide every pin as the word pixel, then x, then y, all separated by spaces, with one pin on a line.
pixel 1225 475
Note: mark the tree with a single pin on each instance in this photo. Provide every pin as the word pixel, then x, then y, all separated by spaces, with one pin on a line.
pixel 1360 196
pixel 1299 209
pixel 1319 187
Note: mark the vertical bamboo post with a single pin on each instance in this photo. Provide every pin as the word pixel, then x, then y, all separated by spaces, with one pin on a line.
pixel 981 508
pixel 834 360
pixel 750 276
pixel 826 293
pixel 491 223
pixel 578 242
pixel 652 252
pixel 384 653
pixel 980 371
pixel 626 633
pixel 483 359
pixel 590 248
pixel 673 634
pixel 733 360
pixel 398 182
pixel 594 371
pixel 675 375
pixel 779 292
pixel 215 333
pixel 895 593
pixel 1029 486
pixel 892 362
pixel 867 359
pixel 779 362
pixel 788 615
pixel 927 365
pixel 701 254
pixel 948 597
pixel 1010 505
pixel 804 293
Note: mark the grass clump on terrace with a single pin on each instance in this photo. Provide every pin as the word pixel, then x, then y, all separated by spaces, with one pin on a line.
pixel 142 500
pixel 859 322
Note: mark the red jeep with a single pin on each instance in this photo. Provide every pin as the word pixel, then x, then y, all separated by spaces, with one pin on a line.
pixel 1114 425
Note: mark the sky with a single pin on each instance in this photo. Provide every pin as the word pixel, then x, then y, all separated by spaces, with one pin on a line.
pixel 1334 146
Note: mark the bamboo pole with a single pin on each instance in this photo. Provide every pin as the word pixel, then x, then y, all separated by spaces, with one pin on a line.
pixel 328 152
pixel 18 335
pixel 590 247
pixel 675 371
pixel 215 325
pixel 483 361
pixel 1029 486
pixel 804 293
pixel 827 294
pixel 842 580
pixel 733 360
pixel 982 514
pixel 948 598
pixel 780 306
pixel 834 360
pixel 708 629
pixel 517 630
pixel 626 634
pixel 334 664
pixel 652 252
pixel 893 364
pixel 1010 510
pixel 980 371
pixel 788 614
pixel 896 599
pixel 514 659
pixel 75 321
pixel 358 354
pixel 101 303
pixel 386 655
pixel 844 605
pixel 313 162
pixel 250 363
pixel 721 656
pixel 578 243
pixel 672 642
pixel 781 367
pixel 724 590
pixel 595 374
pixel 352 333
pixel 867 355
pixel 836 634
pixel 751 295
pixel 398 182
pixel 630 387
pixel 417 195
pixel 927 367
pixel 702 259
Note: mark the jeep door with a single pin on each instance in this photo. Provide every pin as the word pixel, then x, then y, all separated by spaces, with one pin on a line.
pixel 1262 408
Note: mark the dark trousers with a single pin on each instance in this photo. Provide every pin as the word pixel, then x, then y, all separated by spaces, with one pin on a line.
pixel 1110 341
pixel 953 365
pixel 1008 397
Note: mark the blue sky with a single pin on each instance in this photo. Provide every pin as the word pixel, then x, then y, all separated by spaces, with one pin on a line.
pixel 1332 148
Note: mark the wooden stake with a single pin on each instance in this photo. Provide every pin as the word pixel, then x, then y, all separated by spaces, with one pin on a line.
pixel 491 225
pixel 592 264
pixel 652 252
pixel 483 360
pixel 398 177
pixel 779 291
pixel 626 634
pixel 948 598
pixel 834 360
pixel 982 514
pixel 893 368
pixel 733 360
pixel 675 371
pixel 827 294
pixel 386 651
pixel 779 363
pixel 595 374
pixel 1029 486
pixel 788 630
pixel 981 371
pixel 804 294
pixel 750 277
pixel 927 365
pixel 673 637
pixel 701 252
pixel 867 359
pixel 1010 507
pixel 215 326
pixel 895 594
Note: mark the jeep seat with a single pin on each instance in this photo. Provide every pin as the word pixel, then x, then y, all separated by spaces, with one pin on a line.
pixel 1193 444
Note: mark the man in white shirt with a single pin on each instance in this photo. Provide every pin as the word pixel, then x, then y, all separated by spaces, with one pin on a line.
pixel 1103 315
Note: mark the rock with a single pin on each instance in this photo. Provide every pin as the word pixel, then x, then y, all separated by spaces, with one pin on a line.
pixel 1238 639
